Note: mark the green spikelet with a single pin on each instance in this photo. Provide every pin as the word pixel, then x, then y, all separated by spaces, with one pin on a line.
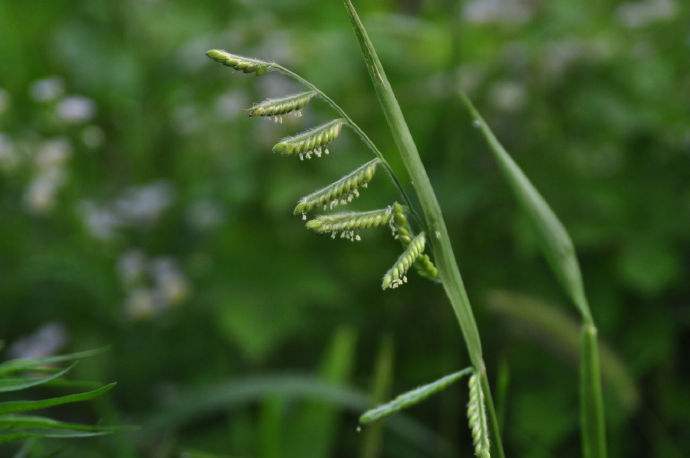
pixel 397 275
pixel 412 397
pixel 314 141
pixel 340 192
pixel 347 223
pixel 277 108
pixel 476 416
pixel 424 266
pixel 243 64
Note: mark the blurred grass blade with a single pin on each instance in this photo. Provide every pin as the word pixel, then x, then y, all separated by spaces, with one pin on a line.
pixel 553 330
pixel 22 383
pixel 271 427
pixel 553 238
pixel 372 444
pixel 16 365
pixel 45 423
pixel 449 273
pixel 412 397
pixel 502 386
pixel 53 434
pixel 197 403
pixel 314 429
pixel 560 253
pixel 24 406
pixel 591 398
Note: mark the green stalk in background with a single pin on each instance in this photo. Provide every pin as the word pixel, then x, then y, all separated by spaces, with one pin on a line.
pixel 433 217
pixel 559 251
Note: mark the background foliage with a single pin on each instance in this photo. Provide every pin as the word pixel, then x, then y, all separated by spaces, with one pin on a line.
pixel 142 210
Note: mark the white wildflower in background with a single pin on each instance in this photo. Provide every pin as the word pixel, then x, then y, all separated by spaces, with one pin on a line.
pixel 131 266
pixel 140 304
pixel 204 215
pixel 41 195
pixel 642 13
pixel 4 101
pixel 45 341
pixel 169 281
pixel 75 109
pixel 188 119
pixel 47 89
pixel 100 221
pixel 53 153
pixel 508 95
pixel 8 156
pixel 92 137
pixel 499 11
pixel 152 285
pixel 143 205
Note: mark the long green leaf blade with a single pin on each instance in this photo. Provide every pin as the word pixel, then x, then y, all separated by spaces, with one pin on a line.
pixel 36 422
pixel 444 257
pixel 16 365
pixel 412 397
pixel 22 383
pixel 25 406
pixel 555 242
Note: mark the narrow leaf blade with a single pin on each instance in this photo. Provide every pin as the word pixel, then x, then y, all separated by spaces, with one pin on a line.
pixel 412 397
pixel 25 406
pixel 17 384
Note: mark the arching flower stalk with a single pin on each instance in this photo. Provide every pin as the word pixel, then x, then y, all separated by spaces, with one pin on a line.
pixel 340 192
pixel 276 108
pixel 314 141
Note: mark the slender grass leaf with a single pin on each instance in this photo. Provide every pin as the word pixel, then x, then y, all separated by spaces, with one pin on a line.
pixel 591 397
pixel 16 365
pixel 53 434
pixel 25 406
pixel 412 397
pixel 372 445
pixel 22 383
pixel 448 269
pixel 45 423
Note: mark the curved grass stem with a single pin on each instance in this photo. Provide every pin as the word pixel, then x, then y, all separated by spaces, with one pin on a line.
pixel 435 223
pixel 356 129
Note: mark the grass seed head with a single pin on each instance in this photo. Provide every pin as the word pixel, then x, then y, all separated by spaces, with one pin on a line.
pixel 340 192
pixel 347 224
pixel 279 107
pixel 476 416
pixel 311 142
pixel 243 64
pixel 397 275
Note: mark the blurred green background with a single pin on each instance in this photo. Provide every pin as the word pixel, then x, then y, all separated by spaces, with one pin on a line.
pixel 141 209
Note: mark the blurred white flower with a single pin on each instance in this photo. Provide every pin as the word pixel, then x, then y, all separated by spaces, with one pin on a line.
pixel 75 109
pixel 45 341
pixel 642 13
pixel 92 137
pixel 170 283
pixel 131 266
pixel 204 214
pixel 140 304
pixel 53 153
pixel 142 205
pixel 508 95
pixel 187 119
pixel 101 222
pixel 8 156
pixel 4 101
pixel 48 89
pixel 41 195
pixel 499 11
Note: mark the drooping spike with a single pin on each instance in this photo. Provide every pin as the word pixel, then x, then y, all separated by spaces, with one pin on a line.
pixel 403 232
pixel 311 140
pixel 349 222
pixel 395 276
pixel 276 108
pixel 240 63
pixel 346 188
